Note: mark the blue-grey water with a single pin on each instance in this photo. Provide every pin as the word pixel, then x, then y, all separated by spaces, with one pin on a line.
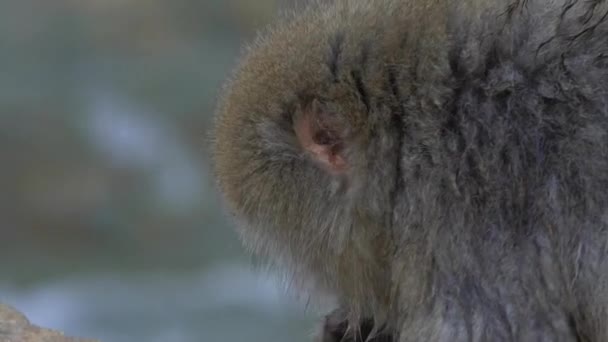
pixel 226 303
pixel 110 225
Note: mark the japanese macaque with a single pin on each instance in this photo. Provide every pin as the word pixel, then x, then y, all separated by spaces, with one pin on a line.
pixel 439 166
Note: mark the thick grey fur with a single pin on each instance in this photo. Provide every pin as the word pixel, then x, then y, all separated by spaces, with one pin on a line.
pixel 476 205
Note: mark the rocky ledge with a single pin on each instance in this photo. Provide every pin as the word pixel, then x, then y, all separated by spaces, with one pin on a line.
pixel 14 327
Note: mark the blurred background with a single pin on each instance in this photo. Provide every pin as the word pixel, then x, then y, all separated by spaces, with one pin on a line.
pixel 110 224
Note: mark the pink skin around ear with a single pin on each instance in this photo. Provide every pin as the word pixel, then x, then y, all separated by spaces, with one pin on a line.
pixel 326 155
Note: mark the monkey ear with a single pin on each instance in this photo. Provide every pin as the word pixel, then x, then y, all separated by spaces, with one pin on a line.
pixel 321 134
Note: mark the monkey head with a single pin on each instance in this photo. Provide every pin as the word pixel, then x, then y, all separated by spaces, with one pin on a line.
pixel 306 151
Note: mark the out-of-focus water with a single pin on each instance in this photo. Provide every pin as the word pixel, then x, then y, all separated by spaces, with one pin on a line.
pixel 226 303
pixel 110 225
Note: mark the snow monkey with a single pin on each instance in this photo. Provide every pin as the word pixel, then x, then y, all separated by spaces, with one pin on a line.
pixel 439 166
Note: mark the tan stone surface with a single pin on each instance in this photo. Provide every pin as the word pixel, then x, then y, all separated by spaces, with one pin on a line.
pixel 14 327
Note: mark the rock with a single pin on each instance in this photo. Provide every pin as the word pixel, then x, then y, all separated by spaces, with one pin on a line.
pixel 14 327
